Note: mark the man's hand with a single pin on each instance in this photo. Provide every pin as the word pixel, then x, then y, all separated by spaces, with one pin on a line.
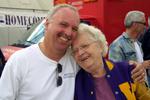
pixel 138 73
pixel 146 64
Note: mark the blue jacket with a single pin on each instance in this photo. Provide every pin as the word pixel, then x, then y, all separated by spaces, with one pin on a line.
pixel 123 49
pixel 118 77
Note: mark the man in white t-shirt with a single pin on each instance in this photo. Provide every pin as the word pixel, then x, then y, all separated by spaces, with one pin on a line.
pixel 44 71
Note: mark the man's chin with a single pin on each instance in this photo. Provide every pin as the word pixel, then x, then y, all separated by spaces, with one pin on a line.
pixel 63 49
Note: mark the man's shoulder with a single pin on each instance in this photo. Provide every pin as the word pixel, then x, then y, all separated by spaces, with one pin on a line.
pixel 123 66
pixel 116 64
pixel 118 41
pixel 24 53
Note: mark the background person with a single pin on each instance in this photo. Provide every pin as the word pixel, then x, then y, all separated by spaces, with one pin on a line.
pixel 127 47
pixel 146 42
pixel 146 48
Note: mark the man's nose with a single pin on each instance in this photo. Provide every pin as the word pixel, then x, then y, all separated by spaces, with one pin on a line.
pixel 69 31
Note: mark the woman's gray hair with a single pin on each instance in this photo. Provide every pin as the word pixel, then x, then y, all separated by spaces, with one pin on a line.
pixel 96 34
pixel 54 9
pixel 133 16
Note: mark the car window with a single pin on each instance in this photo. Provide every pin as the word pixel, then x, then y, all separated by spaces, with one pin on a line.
pixel 37 35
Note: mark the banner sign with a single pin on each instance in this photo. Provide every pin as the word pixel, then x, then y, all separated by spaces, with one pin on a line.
pixel 19 19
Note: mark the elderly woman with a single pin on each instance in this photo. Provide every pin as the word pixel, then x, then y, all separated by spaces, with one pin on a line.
pixel 100 79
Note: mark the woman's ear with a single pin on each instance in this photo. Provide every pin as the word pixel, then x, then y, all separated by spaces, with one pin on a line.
pixel 101 47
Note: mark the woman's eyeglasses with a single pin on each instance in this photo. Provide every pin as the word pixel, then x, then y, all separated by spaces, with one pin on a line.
pixel 59 78
pixel 82 47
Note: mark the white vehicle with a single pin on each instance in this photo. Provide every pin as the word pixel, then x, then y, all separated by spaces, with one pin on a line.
pixel 36 36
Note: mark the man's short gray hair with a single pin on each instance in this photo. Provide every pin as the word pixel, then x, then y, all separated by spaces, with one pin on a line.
pixel 54 9
pixel 97 35
pixel 133 16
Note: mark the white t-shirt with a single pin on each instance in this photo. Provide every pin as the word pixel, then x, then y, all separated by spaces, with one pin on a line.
pixel 29 75
pixel 138 52
pixel 139 56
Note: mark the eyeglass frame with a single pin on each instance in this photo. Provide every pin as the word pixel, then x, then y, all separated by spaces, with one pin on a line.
pixel 59 79
pixel 82 47
pixel 144 23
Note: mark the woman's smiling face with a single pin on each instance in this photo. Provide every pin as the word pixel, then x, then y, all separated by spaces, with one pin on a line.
pixel 87 52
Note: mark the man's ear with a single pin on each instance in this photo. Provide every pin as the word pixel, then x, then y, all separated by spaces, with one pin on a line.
pixel 46 24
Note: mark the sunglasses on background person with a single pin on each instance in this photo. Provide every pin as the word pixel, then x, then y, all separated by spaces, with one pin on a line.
pixel 143 23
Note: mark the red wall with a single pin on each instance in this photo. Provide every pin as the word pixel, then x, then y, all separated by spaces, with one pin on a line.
pixel 115 11
pixel 109 14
